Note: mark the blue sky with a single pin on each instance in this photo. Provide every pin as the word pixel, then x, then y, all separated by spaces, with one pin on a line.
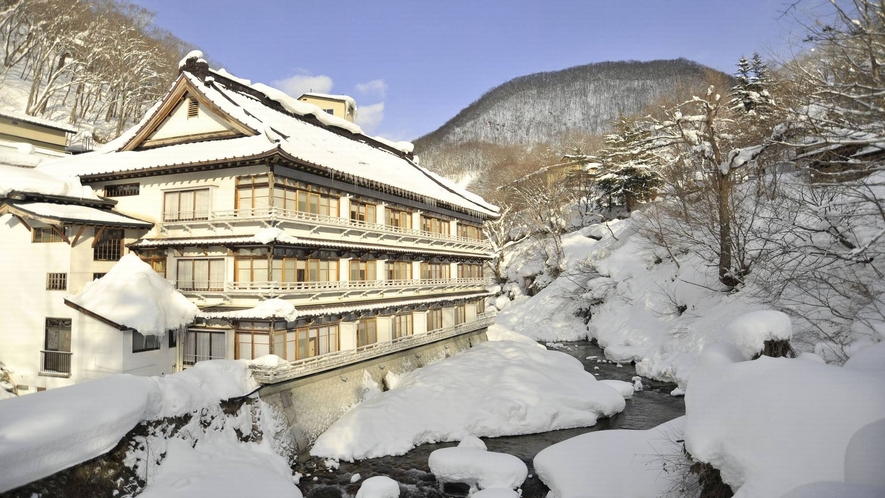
pixel 413 64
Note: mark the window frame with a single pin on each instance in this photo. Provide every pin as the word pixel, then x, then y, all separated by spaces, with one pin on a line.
pixel 56 281
pixel 142 343
pixel 122 189
pixel 109 246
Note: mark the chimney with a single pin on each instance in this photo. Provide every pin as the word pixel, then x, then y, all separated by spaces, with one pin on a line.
pixel 194 63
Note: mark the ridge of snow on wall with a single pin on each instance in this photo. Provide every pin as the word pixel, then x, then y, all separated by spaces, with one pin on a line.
pixel 17 179
pixel 43 433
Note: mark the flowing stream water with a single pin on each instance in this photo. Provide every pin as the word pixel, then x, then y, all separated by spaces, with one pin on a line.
pixel 648 408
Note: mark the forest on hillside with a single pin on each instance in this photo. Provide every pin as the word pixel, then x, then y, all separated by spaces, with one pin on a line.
pixel 557 110
pixel 97 62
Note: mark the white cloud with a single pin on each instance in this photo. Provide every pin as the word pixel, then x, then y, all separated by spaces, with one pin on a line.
pixel 374 87
pixel 370 116
pixel 302 83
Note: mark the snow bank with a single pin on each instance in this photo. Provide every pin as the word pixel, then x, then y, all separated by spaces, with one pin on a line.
pixel 221 467
pixel 495 389
pixel 479 468
pixel 43 433
pixel 870 359
pixel 203 384
pixel 378 487
pixel 611 464
pixel 750 331
pixel 773 424
pixel 132 294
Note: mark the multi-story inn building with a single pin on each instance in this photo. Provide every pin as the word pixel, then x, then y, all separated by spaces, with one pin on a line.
pixel 255 196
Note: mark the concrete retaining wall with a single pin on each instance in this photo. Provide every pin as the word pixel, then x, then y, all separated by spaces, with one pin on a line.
pixel 311 404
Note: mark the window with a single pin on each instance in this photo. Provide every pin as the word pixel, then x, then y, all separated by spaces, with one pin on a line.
pixel 361 211
pixel 399 270
pixel 251 265
pixel 469 270
pixel 202 345
pixel 173 338
pixel 434 319
pixel 56 281
pixel 290 195
pixel 330 111
pixel 469 232
pixel 435 271
pixel 57 346
pixel 253 194
pixel 141 342
pixel 362 270
pixel 193 108
pixel 156 258
pixel 304 270
pixel 121 190
pixel 367 332
pixel 109 245
pixel 201 274
pixel 96 276
pixel 46 234
pixel 186 205
pixel 253 340
pixel 402 325
pixel 434 225
pixel 480 306
pixel 397 218
pixel 307 342
pixel 460 314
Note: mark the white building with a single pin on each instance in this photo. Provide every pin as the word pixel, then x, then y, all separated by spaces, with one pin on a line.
pixel 253 195
pixel 57 237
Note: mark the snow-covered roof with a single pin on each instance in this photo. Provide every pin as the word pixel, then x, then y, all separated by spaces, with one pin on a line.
pixel 273 310
pixel 73 213
pixel 263 238
pixel 135 296
pixel 32 181
pixel 48 123
pixel 279 124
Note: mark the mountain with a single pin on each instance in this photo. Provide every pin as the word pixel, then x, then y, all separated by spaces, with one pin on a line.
pixel 547 107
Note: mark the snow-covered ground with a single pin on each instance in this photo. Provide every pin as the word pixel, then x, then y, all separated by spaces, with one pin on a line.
pixel 497 388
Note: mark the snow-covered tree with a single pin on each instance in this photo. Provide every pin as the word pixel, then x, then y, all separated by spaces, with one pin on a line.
pixel 630 172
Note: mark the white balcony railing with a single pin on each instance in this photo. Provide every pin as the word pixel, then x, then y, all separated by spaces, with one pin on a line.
pixel 273 215
pixel 308 366
pixel 333 286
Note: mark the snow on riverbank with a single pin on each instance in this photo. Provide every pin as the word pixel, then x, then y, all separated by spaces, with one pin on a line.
pixel 612 464
pixel 773 424
pixel 46 432
pixel 643 307
pixel 495 389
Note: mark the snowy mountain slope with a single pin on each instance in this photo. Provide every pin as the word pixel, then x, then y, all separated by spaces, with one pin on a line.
pixel 541 106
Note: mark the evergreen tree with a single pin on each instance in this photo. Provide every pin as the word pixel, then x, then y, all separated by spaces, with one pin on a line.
pixel 630 170
pixel 750 97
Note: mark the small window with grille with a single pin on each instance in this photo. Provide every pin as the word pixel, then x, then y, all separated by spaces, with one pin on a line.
pixel 56 281
pixel 193 108
pixel 109 246
pixel 121 190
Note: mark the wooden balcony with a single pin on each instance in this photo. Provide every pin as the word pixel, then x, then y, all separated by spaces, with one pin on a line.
pixel 309 366
pixel 339 288
pixel 297 223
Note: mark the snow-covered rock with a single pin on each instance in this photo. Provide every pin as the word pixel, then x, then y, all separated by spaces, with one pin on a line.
pixel 378 487
pixel 750 331
pixel 479 468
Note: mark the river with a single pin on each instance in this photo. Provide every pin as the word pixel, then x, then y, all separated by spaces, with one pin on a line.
pixel 648 408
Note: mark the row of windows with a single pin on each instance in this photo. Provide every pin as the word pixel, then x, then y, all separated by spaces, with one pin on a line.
pixel 254 193
pixel 108 244
pixel 208 274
